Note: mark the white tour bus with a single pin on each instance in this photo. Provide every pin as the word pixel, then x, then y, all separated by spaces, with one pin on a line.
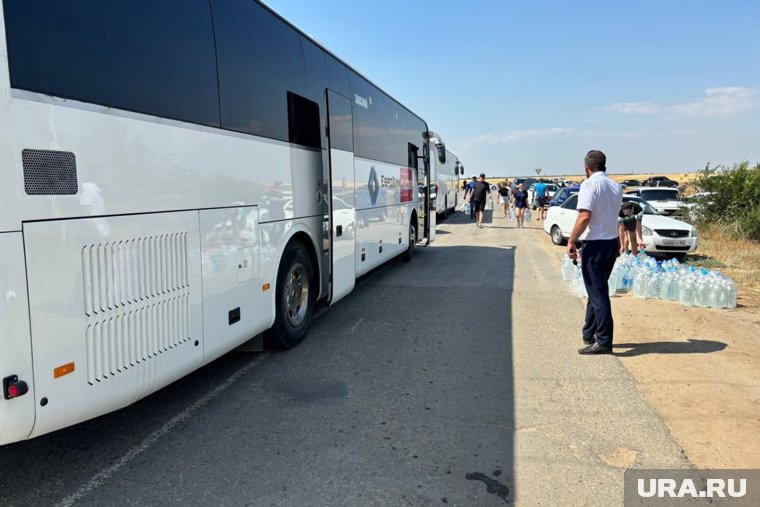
pixel 447 168
pixel 178 177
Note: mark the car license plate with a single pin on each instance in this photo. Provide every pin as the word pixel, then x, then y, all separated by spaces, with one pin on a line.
pixel 673 242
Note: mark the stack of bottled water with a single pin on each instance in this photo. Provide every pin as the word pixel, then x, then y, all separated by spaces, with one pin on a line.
pixel 667 280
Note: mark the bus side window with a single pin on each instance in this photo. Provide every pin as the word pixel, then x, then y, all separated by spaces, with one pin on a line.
pixel 260 59
pixel 303 121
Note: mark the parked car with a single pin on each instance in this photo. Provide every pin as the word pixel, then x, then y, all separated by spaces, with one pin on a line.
pixel 562 195
pixel 693 204
pixel 665 200
pixel 662 235
pixel 632 183
pixel 659 181
pixel 551 189
pixel 516 182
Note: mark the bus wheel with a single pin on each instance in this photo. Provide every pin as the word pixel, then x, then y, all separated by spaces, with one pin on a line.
pixel 295 298
pixel 407 255
pixel 445 207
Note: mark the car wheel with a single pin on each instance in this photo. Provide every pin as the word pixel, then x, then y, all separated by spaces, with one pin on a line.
pixel 680 257
pixel 294 298
pixel 556 235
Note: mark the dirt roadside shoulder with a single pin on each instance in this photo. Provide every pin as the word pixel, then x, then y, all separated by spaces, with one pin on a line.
pixel 699 368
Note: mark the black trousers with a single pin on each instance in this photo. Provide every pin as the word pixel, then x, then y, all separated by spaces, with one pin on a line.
pixel 598 258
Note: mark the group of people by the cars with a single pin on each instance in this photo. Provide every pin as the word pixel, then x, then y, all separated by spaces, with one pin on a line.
pixel 510 195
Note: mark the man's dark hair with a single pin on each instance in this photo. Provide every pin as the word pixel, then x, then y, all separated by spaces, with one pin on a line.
pixel 595 161
pixel 482 175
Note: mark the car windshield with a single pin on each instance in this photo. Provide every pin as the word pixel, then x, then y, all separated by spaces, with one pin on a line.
pixel 648 210
pixel 660 195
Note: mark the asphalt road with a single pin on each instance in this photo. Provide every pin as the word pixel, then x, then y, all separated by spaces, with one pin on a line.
pixel 451 380
pixel 397 397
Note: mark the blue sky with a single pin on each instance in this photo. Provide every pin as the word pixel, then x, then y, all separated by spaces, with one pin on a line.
pixel 662 86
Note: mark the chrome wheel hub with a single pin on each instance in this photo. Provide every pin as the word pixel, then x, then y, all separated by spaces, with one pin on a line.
pixel 296 294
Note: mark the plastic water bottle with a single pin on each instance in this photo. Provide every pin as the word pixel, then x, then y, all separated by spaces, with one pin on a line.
pixel 567 268
pixel 730 294
pixel 662 293
pixel 578 284
pixel 620 274
pixel 612 280
pixel 641 282
pixel 528 215
pixel 702 289
pixel 655 281
pixel 628 277
pixel 510 214
pixel 718 293
pixel 686 290
pixel 672 294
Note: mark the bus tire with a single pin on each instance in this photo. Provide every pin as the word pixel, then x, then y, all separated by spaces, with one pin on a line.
pixel 407 255
pixel 294 298
pixel 445 207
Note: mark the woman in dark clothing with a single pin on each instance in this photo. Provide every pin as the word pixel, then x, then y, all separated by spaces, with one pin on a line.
pixel 521 204
pixel 504 198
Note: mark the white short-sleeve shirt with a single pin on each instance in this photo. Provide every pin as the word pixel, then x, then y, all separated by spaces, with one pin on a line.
pixel 602 197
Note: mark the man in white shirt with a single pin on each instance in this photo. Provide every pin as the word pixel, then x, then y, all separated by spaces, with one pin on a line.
pixel 599 201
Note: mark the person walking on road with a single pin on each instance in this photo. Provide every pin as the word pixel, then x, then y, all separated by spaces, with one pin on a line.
pixel 479 195
pixel 504 198
pixel 629 227
pixel 520 197
pixel 599 201
pixel 539 199
pixel 468 192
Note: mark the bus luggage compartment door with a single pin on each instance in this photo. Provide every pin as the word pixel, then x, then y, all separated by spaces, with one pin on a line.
pixel 115 306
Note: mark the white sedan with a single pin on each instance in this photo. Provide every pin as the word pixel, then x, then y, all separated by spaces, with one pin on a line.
pixel 662 235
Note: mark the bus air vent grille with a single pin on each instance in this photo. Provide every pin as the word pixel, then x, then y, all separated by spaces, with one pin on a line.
pixel 129 339
pixel 48 172
pixel 136 299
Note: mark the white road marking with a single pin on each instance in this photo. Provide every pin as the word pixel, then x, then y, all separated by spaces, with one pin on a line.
pixel 106 473
pixel 356 326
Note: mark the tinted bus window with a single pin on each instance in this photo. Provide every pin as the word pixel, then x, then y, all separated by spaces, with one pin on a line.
pixel 370 132
pixel 260 61
pixel 316 80
pixel 148 56
pixel 337 77
pixel 415 128
pixel 341 132
pixel 398 142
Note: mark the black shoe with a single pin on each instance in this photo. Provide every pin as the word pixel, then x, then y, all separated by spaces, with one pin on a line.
pixel 589 341
pixel 594 349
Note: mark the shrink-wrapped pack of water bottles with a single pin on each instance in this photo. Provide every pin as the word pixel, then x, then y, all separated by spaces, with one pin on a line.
pixel 649 278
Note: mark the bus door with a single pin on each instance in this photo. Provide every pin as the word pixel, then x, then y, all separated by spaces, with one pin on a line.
pixel 342 215
pixel 427 184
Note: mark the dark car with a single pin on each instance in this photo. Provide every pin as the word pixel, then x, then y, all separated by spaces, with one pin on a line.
pixel 562 195
pixel 516 182
pixel 659 181
pixel 632 183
